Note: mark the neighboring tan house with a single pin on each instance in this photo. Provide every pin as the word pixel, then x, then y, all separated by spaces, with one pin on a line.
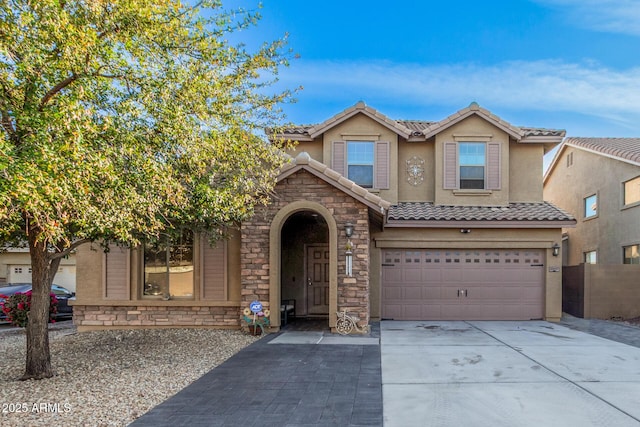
pixel 15 267
pixel 598 181
pixel 446 221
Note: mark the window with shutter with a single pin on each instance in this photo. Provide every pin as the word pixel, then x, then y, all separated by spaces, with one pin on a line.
pixel 116 273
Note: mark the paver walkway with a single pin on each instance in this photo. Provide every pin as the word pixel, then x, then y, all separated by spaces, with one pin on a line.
pixel 283 385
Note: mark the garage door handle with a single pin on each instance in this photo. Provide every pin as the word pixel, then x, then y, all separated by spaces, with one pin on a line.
pixel 537 265
pixel 388 265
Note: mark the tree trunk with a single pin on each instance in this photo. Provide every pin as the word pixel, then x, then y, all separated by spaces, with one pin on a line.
pixel 43 269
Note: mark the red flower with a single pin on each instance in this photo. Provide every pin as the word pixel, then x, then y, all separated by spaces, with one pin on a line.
pixel 3 296
pixel 21 306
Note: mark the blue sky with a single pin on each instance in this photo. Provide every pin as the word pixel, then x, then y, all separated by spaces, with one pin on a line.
pixel 567 64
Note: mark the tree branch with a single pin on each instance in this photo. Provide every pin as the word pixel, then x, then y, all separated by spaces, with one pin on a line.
pixel 57 88
pixel 71 247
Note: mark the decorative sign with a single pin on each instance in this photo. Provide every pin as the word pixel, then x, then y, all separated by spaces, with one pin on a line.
pixel 415 171
pixel 256 306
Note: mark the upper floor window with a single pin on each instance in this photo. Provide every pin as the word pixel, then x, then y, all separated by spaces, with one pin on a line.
pixel 360 159
pixel 631 254
pixel 590 257
pixel 591 206
pixel 168 266
pixel 472 160
pixel 472 165
pixel 632 191
pixel 364 162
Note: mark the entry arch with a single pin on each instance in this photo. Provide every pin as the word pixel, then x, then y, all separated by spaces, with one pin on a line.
pixel 275 253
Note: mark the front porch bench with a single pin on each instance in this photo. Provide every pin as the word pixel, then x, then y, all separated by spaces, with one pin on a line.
pixel 287 310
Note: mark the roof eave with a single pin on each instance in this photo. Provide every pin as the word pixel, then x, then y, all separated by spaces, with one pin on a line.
pixel 479 224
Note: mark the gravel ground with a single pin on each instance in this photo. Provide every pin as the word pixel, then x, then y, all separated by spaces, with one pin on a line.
pixel 107 378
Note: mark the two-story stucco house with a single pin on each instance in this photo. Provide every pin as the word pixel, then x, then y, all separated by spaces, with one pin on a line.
pixel 598 181
pixel 381 218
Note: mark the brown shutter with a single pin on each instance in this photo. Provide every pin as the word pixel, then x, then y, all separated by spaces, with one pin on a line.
pixel 116 273
pixel 339 157
pixel 450 177
pixel 382 165
pixel 214 271
pixel 493 166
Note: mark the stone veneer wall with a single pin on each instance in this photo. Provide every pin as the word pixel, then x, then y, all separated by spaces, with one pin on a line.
pixel 94 317
pixel 353 292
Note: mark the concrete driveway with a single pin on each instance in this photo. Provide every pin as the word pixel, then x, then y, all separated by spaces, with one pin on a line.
pixel 506 374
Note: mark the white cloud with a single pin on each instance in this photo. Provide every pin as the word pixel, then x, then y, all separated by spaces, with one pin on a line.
pixel 544 86
pixel 613 16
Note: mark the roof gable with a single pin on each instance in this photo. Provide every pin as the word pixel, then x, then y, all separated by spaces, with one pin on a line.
pixel 626 150
pixel 359 108
pixel 474 109
pixel 322 171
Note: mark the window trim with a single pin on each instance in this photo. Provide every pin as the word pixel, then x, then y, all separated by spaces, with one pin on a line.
pixel 584 256
pixel 623 253
pixel 484 165
pixel 624 194
pixel 584 206
pixel 194 280
pixel 373 162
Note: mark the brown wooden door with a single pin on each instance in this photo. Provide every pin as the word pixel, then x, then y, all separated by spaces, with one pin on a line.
pixel 317 279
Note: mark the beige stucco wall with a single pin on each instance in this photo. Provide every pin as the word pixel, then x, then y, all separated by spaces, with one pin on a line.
pixel 363 128
pixel 605 291
pixel 477 238
pixel 425 191
pixel 614 226
pixel 313 148
pixel 472 129
pixel 525 174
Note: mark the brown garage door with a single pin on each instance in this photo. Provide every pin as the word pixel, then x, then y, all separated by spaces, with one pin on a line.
pixel 462 284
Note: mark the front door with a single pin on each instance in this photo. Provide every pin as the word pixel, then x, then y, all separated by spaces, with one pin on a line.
pixel 317 279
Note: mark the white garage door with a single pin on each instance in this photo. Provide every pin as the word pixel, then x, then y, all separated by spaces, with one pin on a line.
pixel 462 284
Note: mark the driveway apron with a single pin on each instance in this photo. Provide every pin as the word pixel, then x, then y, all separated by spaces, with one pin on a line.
pixel 506 374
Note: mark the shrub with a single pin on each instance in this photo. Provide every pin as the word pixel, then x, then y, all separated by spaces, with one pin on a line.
pixel 17 306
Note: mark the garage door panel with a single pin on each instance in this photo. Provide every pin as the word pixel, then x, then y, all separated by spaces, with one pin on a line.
pixel 462 284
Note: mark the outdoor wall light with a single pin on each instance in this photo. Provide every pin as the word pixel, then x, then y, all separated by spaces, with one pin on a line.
pixel 348 229
pixel 349 259
pixel 555 249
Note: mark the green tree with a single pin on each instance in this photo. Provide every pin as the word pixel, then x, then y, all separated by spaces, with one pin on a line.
pixel 122 118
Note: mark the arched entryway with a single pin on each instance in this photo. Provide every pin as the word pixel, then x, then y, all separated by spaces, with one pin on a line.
pixel 303 260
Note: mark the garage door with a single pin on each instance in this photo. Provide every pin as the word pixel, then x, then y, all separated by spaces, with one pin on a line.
pixel 462 284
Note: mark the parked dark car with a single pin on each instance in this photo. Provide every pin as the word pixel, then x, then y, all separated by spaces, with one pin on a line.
pixel 62 294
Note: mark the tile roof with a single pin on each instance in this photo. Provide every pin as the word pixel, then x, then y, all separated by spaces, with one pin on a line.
pixel 419 128
pixel 622 148
pixel 425 211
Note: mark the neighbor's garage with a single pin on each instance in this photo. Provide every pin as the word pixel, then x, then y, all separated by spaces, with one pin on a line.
pixel 491 284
